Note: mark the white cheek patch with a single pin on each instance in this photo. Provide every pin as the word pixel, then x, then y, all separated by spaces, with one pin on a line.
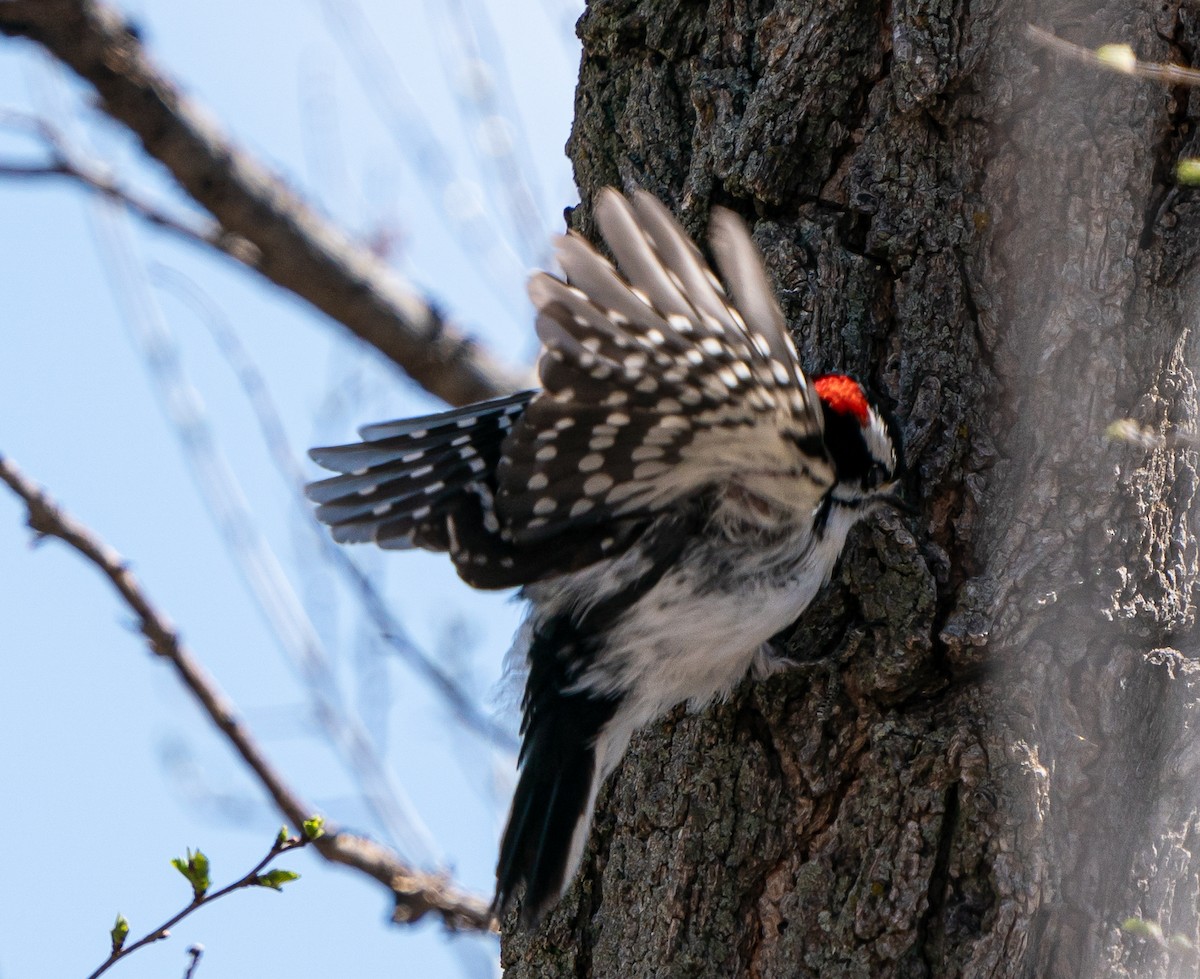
pixel 879 444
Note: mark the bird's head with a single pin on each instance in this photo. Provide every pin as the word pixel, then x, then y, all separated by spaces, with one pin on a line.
pixel 863 441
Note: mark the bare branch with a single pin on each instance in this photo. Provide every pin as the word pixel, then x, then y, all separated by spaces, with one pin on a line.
pixel 416 893
pixel 297 249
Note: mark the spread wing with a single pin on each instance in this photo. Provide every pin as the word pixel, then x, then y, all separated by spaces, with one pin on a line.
pixel 400 483
pixel 656 385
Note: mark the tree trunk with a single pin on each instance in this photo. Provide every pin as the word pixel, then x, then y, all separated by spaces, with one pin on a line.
pixel 984 765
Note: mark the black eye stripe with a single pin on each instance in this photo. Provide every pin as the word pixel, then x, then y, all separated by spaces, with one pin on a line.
pixel 811 445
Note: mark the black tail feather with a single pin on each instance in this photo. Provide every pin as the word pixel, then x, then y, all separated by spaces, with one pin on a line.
pixel 572 736
pixel 552 808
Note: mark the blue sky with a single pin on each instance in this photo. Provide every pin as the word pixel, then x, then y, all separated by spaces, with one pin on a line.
pixel 109 770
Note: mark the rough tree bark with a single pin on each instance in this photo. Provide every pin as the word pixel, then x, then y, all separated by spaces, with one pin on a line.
pixel 987 763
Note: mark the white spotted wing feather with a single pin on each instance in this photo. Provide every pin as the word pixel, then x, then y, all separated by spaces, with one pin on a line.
pixel 400 482
pixel 656 386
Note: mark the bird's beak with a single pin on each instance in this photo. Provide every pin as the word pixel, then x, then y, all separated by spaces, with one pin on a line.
pixel 897 502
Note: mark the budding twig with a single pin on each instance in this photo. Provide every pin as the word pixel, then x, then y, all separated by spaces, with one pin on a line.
pixel 197 874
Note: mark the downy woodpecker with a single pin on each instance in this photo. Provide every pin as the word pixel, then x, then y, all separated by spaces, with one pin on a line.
pixel 675 495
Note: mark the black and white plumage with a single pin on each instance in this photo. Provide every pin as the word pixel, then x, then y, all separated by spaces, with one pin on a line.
pixel 675 495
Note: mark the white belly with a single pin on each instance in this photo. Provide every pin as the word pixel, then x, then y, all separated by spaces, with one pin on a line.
pixel 677 645
pixel 693 640
pixel 695 633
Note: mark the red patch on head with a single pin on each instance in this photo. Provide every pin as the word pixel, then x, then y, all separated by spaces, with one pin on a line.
pixel 844 395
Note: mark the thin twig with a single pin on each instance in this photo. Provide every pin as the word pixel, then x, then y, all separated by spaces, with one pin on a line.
pixel 97 182
pixel 195 952
pixel 200 899
pixel 1115 57
pixel 298 249
pixel 65 161
pixel 467 37
pixel 419 141
pixel 1146 437
pixel 416 893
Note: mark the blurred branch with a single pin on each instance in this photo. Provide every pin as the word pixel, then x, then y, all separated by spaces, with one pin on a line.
pixel 462 205
pixel 468 50
pixel 62 161
pixel 462 705
pixel 1114 57
pixel 416 893
pixel 248 548
pixel 297 249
